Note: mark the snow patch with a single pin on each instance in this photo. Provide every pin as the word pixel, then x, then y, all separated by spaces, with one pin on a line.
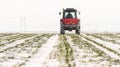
pixel 39 59
pixel 111 54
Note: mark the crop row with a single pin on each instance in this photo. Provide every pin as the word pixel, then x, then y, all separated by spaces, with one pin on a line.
pixel 88 51
pixel 104 38
pixel 5 34
pixel 63 53
pixel 23 51
pixel 112 60
pixel 11 39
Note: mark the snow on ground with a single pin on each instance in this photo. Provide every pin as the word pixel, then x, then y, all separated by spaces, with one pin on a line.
pixel 115 47
pixel 3 39
pixel 69 50
pixel 5 35
pixel 44 51
pixel 19 54
pixel 111 54
pixel 80 57
pixel 113 38
pixel 86 57
pixel 14 43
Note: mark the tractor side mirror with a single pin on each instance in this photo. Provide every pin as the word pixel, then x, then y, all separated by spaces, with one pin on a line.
pixel 59 13
pixel 79 12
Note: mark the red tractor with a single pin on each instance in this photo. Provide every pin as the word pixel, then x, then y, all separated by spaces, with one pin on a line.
pixel 69 21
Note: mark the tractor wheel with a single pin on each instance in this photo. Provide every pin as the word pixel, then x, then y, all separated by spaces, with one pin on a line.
pixel 62 31
pixel 78 31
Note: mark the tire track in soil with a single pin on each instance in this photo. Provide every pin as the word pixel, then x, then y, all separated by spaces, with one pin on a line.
pixel 83 54
pixel 73 51
pixel 62 55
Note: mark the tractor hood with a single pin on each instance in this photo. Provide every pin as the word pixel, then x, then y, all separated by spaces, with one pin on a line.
pixel 70 21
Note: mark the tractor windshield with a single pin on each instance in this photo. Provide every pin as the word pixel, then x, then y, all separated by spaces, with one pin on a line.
pixel 70 15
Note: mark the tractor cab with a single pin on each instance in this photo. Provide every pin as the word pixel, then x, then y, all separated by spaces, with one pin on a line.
pixel 69 21
pixel 69 13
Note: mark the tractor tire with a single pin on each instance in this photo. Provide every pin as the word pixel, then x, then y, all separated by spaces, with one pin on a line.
pixel 62 31
pixel 77 31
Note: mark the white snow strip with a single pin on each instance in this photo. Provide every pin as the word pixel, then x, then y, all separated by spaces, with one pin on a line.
pixel 15 43
pixel 69 40
pixel 115 47
pixel 39 59
pixel 111 54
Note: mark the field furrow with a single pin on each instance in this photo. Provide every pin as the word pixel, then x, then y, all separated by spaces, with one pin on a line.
pixel 5 34
pixel 42 54
pixel 13 38
pixel 14 44
pixel 19 54
pixel 62 55
pixel 56 50
pixel 111 53
pixel 114 47
pixel 87 55
pixel 115 39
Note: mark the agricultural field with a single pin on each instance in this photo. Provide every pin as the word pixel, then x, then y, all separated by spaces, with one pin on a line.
pixel 55 50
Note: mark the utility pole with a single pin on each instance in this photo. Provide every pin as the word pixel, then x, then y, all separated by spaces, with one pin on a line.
pixel 23 24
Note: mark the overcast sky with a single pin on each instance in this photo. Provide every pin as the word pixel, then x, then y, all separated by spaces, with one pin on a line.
pixel 43 15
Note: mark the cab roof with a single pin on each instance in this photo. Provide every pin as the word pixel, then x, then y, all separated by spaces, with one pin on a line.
pixel 70 9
